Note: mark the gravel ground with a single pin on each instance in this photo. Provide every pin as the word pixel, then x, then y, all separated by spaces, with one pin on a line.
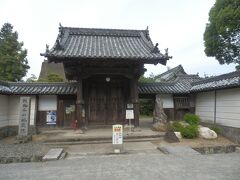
pixel 31 151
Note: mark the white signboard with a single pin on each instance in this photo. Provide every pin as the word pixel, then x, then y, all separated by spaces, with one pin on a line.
pixel 24 116
pixel 117 137
pixel 51 117
pixel 129 114
pixel 129 106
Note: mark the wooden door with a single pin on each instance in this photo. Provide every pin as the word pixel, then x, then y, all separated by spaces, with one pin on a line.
pixel 69 112
pixel 66 111
pixel 105 102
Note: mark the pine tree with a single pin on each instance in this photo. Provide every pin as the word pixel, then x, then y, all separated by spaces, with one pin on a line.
pixel 13 61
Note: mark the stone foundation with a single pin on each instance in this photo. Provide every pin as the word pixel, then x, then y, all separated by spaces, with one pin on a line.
pixel 13 131
pixel 231 133
pixel 3 132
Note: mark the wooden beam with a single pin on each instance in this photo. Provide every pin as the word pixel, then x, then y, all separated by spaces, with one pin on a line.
pixel 135 99
pixel 79 104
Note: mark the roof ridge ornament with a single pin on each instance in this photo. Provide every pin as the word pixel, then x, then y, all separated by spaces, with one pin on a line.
pixel 58 45
pixel 155 49
pixel 60 30
pixel 147 34
pixel 47 49
pixel 166 54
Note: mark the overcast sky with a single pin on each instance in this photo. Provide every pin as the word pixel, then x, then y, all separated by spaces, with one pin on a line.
pixel 174 24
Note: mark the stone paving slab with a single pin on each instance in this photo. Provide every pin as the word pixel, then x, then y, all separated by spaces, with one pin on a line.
pixel 53 154
pixel 108 148
pixel 179 150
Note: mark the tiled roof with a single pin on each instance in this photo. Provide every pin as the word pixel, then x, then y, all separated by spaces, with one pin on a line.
pixel 4 88
pixel 90 43
pixel 218 82
pixel 171 74
pixel 44 88
pixel 181 85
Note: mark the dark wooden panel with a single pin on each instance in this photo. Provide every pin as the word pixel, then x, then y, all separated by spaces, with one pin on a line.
pixel 170 113
pixel 105 101
pixel 179 113
pixel 60 113
pixel 41 118
pixel 64 117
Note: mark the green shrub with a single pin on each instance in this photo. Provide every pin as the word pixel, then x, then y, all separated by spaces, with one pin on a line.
pixel 191 119
pixel 176 126
pixel 190 131
pixel 216 129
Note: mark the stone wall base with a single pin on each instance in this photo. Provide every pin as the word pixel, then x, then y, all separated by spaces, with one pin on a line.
pixel 231 133
pixel 13 131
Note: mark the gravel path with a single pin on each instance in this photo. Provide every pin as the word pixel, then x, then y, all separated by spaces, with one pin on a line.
pixel 31 151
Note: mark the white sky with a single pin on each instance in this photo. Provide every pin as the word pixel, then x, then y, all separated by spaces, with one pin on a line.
pixel 174 24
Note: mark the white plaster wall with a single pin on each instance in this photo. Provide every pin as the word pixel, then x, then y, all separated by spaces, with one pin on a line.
pixel 228 107
pixel 167 100
pixel 205 106
pixel 47 103
pixel 3 110
pixel 13 110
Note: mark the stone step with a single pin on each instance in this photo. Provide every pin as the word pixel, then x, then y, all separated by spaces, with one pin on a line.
pixel 53 154
pixel 99 141
pixel 103 138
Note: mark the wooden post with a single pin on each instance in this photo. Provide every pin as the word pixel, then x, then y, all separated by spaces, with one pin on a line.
pixel 215 106
pixel 79 104
pixel 135 100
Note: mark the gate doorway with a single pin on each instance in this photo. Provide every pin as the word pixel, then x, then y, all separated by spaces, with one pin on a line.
pixel 105 99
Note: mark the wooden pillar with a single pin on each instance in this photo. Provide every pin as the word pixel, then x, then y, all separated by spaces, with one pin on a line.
pixel 135 100
pixel 79 104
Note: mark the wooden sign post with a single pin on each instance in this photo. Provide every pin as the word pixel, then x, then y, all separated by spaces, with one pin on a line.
pixel 130 115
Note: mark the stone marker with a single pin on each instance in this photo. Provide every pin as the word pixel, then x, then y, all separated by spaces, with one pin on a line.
pixel 158 112
pixel 24 119
pixel 170 136
pixel 159 117
pixel 53 154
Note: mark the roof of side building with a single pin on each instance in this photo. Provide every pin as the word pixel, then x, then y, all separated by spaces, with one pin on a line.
pixel 4 88
pixel 228 80
pixel 181 85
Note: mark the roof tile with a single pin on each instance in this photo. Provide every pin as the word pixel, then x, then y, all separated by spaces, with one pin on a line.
pixel 218 82
pixel 105 43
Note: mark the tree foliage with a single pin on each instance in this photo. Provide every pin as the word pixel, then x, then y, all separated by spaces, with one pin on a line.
pixel 13 61
pixel 222 33
pixel 52 77
pixel 150 79
pixel 33 78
